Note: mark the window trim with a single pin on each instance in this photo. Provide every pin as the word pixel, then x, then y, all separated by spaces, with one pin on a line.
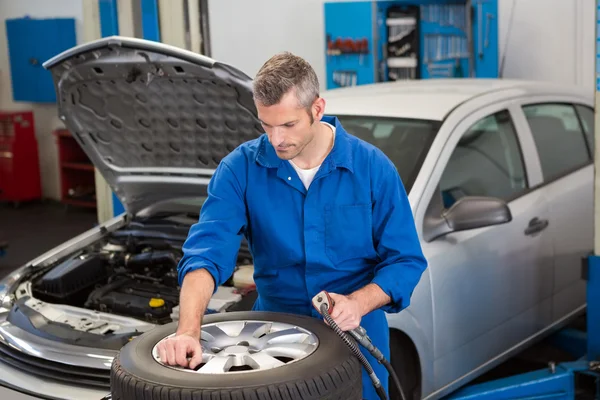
pixel 571 170
pixel 576 107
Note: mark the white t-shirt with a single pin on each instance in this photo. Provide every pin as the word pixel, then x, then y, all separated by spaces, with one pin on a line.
pixel 307 175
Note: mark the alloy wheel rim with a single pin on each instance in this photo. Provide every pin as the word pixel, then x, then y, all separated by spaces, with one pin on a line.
pixel 248 346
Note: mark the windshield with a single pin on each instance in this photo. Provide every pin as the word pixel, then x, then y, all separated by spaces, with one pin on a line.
pixel 405 141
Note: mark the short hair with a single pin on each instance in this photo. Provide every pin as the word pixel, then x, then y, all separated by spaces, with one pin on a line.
pixel 280 74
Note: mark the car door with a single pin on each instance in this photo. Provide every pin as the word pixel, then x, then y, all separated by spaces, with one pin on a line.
pixel 491 286
pixel 563 136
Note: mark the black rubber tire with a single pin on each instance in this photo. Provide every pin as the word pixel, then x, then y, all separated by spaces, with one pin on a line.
pixel 405 363
pixel 331 372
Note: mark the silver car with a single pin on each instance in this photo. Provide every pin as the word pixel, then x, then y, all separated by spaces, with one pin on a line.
pixel 499 175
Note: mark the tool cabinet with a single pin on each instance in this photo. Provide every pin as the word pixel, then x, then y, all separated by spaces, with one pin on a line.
pixel 19 161
pixel 410 39
pixel 31 42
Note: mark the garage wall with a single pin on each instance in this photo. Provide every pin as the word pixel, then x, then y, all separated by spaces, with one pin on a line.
pixel 268 26
pixel 559 47
pixel 45 115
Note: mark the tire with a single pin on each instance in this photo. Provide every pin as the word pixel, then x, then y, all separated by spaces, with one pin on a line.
pixel 330 372
pixel 405 363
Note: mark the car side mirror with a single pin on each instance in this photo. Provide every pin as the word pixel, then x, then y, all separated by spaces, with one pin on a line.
pixel 470 212
pixel 477 212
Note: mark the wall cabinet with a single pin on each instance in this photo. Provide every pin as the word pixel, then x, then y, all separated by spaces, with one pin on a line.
pixel 377 41
pixel 31 42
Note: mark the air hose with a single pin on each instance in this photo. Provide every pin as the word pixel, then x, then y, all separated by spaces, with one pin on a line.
pixel 364 340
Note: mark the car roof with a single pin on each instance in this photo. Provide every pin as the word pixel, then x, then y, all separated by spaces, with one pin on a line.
pixel 429 98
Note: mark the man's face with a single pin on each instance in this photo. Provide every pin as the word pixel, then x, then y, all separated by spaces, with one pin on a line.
pixel 288 125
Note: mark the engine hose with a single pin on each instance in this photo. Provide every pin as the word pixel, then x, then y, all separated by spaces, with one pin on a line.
pixel 355 350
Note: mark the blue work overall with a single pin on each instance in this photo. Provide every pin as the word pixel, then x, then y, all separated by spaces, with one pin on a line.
pixel 352 227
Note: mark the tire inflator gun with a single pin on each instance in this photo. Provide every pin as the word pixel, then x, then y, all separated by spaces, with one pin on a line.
pixel 324 304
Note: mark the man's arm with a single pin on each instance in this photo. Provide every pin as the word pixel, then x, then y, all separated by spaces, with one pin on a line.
pixel 197 289
pixel 370 298
pixel 395 238
pixel 210 250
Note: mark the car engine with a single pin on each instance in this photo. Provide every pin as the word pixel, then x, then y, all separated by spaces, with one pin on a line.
pixel 122 275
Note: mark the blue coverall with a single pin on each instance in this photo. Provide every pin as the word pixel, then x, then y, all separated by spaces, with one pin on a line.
pixel 353 226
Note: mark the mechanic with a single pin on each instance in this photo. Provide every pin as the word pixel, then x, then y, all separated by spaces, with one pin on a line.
pixel 320 209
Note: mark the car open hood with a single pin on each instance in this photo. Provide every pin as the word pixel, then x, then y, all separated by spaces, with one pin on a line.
pixel 154 119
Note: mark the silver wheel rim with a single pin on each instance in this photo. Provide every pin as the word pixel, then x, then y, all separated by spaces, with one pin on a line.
pixel 237 347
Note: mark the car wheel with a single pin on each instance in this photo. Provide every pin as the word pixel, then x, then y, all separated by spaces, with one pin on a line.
pixel 246 355
pixel 405 362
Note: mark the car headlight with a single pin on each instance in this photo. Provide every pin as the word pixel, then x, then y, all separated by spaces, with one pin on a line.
pixel 7 285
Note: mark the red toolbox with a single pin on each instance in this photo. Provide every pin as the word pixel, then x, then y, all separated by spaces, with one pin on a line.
pixel 19 160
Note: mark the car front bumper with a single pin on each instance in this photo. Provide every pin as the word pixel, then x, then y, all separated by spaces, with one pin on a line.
pixel 40 388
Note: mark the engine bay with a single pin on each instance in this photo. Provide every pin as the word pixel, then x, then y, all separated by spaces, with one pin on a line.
pixel 127 275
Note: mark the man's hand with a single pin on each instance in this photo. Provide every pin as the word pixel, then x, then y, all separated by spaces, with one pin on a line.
pixel 346 312
pixel 349 310
pixel 175 351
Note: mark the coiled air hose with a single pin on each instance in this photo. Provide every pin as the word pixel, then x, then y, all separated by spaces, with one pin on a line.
pixel 356 351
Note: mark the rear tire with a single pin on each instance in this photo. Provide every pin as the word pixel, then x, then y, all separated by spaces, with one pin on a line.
pixel 330 372
pixel 405 362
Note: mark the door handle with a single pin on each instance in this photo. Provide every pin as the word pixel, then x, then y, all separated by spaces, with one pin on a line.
pixel 536 225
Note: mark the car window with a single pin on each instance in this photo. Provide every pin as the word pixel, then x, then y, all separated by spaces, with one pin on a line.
pixel 558 137
pixel 487 161
pixel 586 116
pixel 404 141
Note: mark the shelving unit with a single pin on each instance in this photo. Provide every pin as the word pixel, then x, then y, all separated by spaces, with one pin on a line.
pixel 78 187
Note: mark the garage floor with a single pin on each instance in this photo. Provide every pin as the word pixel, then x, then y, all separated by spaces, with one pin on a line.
pixel 33 228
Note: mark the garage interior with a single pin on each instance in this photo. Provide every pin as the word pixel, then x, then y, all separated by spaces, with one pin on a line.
pixel 51 191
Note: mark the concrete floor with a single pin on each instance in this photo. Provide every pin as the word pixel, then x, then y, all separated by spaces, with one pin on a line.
pixel 33 228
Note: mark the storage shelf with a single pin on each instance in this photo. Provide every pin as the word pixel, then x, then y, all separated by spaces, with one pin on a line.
pixel 75 168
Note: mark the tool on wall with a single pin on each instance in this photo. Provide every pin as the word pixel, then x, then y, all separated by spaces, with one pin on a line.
pixel 345 78
pixel 445 15
pixel 488 18
pixel 344 47
pixel 442 47
pixel 447 39
pixel 440 70
pixel 402 46
pixel 341 46
pixel 482 26
pixel 402 69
